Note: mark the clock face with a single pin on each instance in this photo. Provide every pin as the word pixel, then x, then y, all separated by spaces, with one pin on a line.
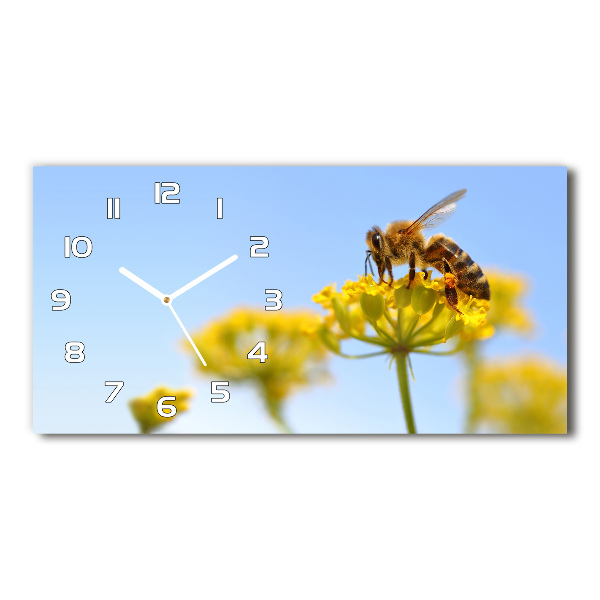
pixel 204 299
pixel 128 264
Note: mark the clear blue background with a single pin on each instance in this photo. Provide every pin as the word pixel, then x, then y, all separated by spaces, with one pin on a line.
pixel 512 219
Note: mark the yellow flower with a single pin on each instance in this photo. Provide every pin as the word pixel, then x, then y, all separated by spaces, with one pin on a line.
pixel 522 395
pixel 296 357
pixel 145 411
pixel 403 319
pixel 507 311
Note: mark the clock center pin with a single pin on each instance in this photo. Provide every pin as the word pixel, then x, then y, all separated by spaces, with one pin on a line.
pixel 166 299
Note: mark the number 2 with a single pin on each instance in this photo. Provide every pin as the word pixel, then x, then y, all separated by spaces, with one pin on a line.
pixel 255 247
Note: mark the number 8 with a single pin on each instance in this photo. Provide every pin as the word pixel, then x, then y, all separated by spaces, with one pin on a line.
pixel 74 348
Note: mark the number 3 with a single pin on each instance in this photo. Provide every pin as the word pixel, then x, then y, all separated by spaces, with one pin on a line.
pixel 276 300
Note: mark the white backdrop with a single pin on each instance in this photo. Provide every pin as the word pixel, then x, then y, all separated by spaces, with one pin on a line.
pixel 305 83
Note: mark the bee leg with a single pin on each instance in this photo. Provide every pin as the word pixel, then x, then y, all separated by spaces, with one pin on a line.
pixel 411 273
pixel 388 266
pixel 426 274
pixel 450 288
pixel 380 271
pixel 368 260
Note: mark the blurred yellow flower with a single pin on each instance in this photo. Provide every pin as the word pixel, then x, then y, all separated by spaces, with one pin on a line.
pixel 521 395
pixel 507 311
pixel 145 411
pixel 296 357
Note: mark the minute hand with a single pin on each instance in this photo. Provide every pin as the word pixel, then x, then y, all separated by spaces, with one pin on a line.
pixel 206 275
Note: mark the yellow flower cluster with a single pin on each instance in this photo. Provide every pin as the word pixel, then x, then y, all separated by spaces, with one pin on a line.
pixel 296 358
pixel 145 411
pixel 522 395
pixel 404 319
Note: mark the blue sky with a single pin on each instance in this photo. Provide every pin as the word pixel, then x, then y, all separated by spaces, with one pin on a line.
pixel 512 218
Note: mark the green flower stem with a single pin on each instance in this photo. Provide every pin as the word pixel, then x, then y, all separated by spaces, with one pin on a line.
pixel 369 339
pixel 423 328
pixel 401 361
pixel 473 360
pixel 411 327
pixel 363 355
pixel 389 319
pixel 430 341
pixel 382 333
pixel 447 353
pixel 399 324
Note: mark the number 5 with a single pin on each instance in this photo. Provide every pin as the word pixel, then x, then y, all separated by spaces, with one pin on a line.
pixel 214 389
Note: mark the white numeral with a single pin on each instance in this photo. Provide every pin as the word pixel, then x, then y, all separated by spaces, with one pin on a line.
pixel 72 246
pixel 255 247
pixel 114 393
pixel 116 214
pixel 164 197
pixel 261 349
pixel 219 208
pixel 65 299
pixel 162 404
pixel 214 389
pixel 276 300
pixel 74 349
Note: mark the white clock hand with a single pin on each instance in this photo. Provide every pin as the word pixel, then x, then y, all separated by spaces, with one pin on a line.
pixel 142 283
pixel 186 333
pixel 206 275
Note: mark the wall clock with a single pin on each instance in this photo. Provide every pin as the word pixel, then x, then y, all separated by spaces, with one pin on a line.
pixel 144 277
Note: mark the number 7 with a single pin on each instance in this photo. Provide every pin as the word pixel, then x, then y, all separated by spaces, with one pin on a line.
pixel 114 393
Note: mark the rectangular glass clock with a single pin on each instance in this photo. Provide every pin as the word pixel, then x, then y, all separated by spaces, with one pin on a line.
pixel 244 300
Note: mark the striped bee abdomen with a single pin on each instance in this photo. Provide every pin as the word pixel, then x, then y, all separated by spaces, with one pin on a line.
pixel 469 276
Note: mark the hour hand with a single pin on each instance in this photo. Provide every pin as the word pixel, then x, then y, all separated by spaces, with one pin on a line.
pixel 206 275
pixel 142 283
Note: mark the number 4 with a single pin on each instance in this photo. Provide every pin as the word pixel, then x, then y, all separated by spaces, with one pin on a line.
pixel 260 348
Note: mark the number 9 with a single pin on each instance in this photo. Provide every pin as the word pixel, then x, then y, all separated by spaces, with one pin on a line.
pixel 65 298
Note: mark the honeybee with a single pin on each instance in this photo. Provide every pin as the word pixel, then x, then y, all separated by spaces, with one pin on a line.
pixel 403 242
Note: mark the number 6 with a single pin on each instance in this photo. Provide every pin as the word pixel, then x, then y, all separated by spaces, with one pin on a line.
pixel 172 408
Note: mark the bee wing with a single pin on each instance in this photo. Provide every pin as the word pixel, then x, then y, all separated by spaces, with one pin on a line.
pixel 438 212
